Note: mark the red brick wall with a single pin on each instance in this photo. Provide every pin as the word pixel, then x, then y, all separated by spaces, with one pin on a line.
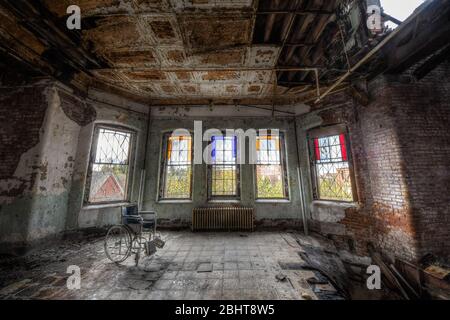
pixel 22 112
pixel 401 150
pixel 423 122
pixel 383 217
pixel 77 109
pixel 387 203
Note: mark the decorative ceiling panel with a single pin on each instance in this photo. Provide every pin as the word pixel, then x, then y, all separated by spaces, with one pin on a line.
pixel 200 49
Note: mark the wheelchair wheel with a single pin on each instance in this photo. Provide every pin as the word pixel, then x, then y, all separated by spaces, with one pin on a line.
pixel 118 243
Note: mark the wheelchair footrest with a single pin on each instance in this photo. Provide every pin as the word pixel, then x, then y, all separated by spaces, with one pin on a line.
pixel 159 242
pixel 150 248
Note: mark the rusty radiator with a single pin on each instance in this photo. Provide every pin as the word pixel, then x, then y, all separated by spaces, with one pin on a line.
pixel 223 218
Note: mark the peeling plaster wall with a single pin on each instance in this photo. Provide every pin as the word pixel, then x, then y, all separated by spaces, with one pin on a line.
pixel 46 136
pixel 399 146
pixel 33 202
pixel 179 214
pixel 83 216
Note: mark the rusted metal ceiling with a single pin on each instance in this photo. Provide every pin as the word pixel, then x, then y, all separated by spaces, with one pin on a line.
pixel 181 50
pixel 189 52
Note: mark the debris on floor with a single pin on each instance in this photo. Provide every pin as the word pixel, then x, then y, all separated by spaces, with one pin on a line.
pixel 306 296
pixel 210 266
pixel 439 272
pixel 205 267
pixel 280 277
pixel 314 280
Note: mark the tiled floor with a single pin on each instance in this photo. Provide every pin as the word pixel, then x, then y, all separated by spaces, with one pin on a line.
pixel 244 266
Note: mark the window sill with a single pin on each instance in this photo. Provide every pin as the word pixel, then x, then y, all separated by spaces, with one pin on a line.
pixel 330 211
pixel 331 203
pixel 105 205
pixel 173 201
pixel 273 201
pixel 224 201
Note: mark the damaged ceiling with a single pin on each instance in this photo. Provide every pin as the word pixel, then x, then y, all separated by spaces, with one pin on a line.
pixel 190 51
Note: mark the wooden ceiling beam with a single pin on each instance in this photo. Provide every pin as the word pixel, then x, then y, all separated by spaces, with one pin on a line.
pixel 432 35
pixel 316 34
pixel 269 27
pixel 432 63
pixel 218 69
pixel 36 19
pixel 296 12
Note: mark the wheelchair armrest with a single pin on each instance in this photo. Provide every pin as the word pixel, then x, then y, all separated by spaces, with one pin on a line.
pixel 148 213
pixel 132 219
pixel 133 216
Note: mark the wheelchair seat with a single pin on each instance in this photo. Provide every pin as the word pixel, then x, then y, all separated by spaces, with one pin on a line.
pixel 132 216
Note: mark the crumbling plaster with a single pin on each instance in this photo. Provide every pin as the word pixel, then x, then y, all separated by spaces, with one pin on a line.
pixel 46 170
pixel 54 170
pixel 85 216
pixel 44 196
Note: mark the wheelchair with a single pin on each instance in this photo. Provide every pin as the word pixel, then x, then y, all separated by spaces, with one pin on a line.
pixel 129 238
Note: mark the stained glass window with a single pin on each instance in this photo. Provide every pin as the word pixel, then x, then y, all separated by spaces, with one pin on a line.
pixel 224 170
pixel 177 169
pixel 332 168
pixel 271 176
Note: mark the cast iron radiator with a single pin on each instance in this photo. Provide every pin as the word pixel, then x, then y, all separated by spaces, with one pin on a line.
pixel 223 218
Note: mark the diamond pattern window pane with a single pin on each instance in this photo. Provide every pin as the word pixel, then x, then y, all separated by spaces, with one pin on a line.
pixel 110 170
pixel 108 183
pixel 333 173
pixel 113 147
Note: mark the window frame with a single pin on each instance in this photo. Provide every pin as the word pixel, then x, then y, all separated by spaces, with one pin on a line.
pixel 326 131
pixel 215 198
pixel 163 167
pixel 284 167
pixel 93 155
